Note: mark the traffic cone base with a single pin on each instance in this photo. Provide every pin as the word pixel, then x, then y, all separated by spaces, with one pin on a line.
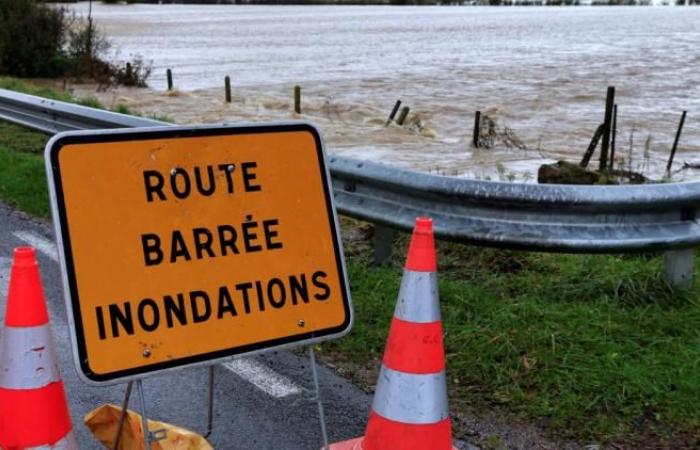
pixel 33 409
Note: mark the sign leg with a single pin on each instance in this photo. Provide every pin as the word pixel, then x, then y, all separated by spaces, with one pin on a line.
pixel 312 359
pixel 144 419
pixel 122 416
pixel 210 415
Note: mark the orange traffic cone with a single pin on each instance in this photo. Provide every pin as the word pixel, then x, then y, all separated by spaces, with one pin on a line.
pixel 409 411
pixel 33 409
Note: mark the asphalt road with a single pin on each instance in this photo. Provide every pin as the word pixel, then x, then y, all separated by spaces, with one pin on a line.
pixel 264 402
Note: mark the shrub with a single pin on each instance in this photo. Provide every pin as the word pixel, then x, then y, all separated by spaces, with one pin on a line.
pixel 46 41
pixel 32 37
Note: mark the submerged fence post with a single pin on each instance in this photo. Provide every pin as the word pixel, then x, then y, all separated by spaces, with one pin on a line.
pixel 227 84
pixel 614 135
pixel 477 127
pixel 169 75
pixel 383 240
pixel 403 115
pixel 680 265
pixel 297 99
pixel 609 102
pixel 675 144
pixel 397 105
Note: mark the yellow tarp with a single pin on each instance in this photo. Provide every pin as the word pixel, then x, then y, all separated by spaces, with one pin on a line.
pixel 104 420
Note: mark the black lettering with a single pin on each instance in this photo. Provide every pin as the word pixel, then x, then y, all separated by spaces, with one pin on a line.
pixel 228 170
pixel 248 177
pixel 270 233
pixel 152 254
pixel 325 290
pixel 202 241
pixel 249 235
pixel 243 288
pixel 186 185
pixel 101 323
pixel 200 183
pixel 179 248
pixel 117 317
pixel 261 299
pixel 155 314
pixel 175 309
pixel 299 289
pixel 153 187
pixel 225 303
pixel 197 315
pixel 281 295
pixel 227 242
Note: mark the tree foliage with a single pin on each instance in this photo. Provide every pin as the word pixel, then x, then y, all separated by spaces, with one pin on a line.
pixel 32 38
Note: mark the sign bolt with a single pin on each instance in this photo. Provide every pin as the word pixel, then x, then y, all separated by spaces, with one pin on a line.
pixel 301 323
pixel 146 352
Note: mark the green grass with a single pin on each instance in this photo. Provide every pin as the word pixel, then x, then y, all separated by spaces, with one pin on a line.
pixel 18 85
pixel 593 346
pixel 22 175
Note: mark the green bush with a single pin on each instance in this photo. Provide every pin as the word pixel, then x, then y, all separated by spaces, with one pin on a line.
pixel 32 38
pixel 37 40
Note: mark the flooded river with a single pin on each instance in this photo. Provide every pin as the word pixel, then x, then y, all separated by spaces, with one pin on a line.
pixel 540 72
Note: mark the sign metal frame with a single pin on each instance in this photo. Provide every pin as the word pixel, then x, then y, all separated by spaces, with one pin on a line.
pixel 63 240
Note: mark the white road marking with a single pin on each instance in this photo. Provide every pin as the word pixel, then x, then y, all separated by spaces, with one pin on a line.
pixel 5 267
pixel 42 244
pixel 262 377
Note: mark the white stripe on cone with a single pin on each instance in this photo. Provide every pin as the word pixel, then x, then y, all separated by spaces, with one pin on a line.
pixel 30 361
pixel 418 298
pixel 411 398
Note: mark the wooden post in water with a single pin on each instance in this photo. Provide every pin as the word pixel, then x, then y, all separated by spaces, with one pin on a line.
pixel 614 135
pixel 227 84
pixel 591 147
pixel 297 99
pixel 675 144
pixel 477 127
pixel 403 115
pixel 169 75
pixel 397 105
pixel 609 102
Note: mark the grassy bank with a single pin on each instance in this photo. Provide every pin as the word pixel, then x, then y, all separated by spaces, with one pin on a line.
pixel 587 347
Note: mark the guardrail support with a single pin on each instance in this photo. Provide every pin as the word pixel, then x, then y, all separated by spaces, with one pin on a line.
pixel 680 265
pixel 383 240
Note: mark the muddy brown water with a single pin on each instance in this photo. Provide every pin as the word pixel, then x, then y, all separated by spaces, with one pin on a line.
pixel 542 72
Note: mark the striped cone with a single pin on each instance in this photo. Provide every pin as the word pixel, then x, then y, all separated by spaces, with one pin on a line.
pixel 409 411
pixel 33 409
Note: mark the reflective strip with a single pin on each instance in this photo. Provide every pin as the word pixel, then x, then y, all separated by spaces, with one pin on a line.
pixel 411 398
pixel 418 297
pixel 28 358
pixel 67 443
pixel 415 347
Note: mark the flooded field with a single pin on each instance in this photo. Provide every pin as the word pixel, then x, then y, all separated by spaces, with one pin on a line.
pixel 541 72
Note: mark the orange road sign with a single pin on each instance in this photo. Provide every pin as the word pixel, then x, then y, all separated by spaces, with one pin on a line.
pixel 186 245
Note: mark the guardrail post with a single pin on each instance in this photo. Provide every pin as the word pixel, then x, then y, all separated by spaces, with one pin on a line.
pixel 680 265
pixel 383 240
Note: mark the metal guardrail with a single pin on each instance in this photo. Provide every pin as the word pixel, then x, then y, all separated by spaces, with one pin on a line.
pixel 561 218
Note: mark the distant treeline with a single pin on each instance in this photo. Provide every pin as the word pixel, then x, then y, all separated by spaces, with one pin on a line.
pixel 411 2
